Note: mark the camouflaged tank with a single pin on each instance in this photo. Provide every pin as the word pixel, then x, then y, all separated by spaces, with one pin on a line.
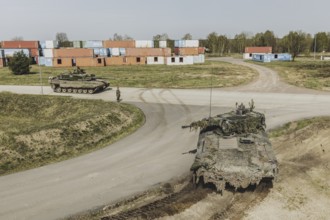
pixel 77 81
pixel 233 149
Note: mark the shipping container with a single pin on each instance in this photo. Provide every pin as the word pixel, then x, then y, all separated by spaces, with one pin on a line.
pixel 282 57
pixel 64 62
pixel 101 52
pixel 258 50
pixel 114 52
pixel 51 44
pixel 42 44
pixel 10 52
pixel 122 51
pixel 49 62
pixel 186 51
pixel 48 53
pixel 180 60
pixel 2 54
pixel 20 44
pixel 85 62
pixel 34 52
pixel 266 58
pixel 148 52
pixel 2 62
pixel 186 43
pixel 144 44
pixel 155 60
pixel 119 44
pixel 42 61
pixel 115 61
pixel 73 52
pixel 77 44
pixel 199 58
pixel 162 43
pixel 201 50
pixel 92 44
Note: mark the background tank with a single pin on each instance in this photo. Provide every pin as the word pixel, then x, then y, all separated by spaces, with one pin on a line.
pixel 77 82
pixel 234 149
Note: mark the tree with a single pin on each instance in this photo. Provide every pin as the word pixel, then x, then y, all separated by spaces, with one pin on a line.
pixel 240 42
pixel 322 42
pixel 159 37
pixel 118 37
pixel 19 64
pixel 17 38
pixel 187 36
pixel 61 37
pixel 223 44
pixel 212 42
pixel 295 43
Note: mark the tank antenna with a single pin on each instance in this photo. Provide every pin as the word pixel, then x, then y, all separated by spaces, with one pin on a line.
pixel 211 91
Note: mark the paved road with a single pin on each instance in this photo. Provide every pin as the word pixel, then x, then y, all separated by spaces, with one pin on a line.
pixel 149 156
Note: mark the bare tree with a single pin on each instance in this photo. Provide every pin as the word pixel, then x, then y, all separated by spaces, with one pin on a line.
pixel 17 38
pixel 295 43
pixel 187 36
pixel 159 37
pixel 61 37
pixel 118 37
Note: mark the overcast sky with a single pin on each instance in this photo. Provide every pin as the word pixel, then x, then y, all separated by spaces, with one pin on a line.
pixel 142 19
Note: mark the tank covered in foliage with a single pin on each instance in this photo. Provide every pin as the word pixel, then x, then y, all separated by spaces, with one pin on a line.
pixel 77 81
pixel 233 150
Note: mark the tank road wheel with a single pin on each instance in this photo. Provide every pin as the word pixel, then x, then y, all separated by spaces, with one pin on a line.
pixel 58 89
pixel 85 91
pixel 64 90
pixel 75 90
pixel 80 90
pixel 69 90
pixel 90 91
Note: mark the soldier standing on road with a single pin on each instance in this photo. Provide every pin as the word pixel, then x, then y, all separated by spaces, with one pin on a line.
pixel 118 94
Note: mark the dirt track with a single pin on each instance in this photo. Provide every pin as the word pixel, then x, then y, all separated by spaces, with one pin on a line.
pixel 151 155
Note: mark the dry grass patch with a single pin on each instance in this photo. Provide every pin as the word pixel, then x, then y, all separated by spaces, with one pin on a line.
pixel 37 130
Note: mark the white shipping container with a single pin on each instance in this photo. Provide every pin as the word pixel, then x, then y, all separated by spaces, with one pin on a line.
pixel 247 56
pixel 10 52
pixel 199 58
pixel 162 44
pixel 192 43
pixel 114 51
pixel 51 44
pixel 42 44
pixel 187 60
pixel 155 60
pixel 48 53
pixel 186 43
pixel 144 44
pixel 2 54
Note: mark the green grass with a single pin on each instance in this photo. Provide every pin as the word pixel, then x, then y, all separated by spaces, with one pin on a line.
pixel 148 76
pixel 37 130
pixel 290 127
pixel 304 72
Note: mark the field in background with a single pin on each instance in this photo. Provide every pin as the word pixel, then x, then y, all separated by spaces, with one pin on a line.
pixel 37 130
pixel 304 72
pixel 158 76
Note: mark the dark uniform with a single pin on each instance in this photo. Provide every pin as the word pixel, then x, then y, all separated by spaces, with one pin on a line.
pixel 118 94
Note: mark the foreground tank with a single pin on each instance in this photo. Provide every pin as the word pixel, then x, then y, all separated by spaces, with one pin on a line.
pixel 234 150
pixel 77 82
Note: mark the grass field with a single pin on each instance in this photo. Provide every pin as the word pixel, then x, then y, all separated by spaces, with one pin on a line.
pixel 148 76
pixel 308 73
pixel 37 130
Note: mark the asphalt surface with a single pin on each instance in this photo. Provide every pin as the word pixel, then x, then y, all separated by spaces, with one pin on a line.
pixel 151 155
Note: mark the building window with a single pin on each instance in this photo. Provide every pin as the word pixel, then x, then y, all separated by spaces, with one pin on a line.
pixel 276 56
pixel 250 54
pixel 155 59
pixel 138 59
pixel 173 59
pixel 181 60
pixel 99 61
pixel 59 61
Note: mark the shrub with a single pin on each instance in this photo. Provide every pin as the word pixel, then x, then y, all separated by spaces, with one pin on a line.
pixel 19 64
